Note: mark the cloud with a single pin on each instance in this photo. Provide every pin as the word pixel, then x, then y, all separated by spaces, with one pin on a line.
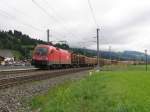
pixel 124 24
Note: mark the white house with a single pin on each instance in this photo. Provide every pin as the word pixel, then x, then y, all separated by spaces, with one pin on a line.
pixel 6 55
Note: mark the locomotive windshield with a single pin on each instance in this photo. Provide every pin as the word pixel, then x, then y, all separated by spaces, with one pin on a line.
pixel 41 51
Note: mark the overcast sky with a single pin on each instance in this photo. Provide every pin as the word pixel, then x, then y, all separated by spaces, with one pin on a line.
pixel 124 24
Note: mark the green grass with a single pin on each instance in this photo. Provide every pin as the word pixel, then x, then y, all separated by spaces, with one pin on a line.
pixel 126 68
pixel 107 91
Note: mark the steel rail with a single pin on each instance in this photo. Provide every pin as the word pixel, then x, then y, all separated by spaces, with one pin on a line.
pixel 12 81
pixel 15 71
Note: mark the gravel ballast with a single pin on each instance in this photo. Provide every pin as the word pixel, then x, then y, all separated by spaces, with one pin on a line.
pixel 14 99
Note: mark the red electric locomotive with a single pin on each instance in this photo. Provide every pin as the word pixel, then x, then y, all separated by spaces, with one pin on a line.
pixel 50 56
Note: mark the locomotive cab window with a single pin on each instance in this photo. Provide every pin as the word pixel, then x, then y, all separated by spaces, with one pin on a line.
pixel 41 51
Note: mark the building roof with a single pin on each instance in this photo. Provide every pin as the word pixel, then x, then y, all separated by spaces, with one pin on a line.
pixel 6 53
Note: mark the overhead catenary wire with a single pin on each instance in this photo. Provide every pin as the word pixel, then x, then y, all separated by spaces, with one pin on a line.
pixel 21 22
pixel 52 17
pixel 16 10
pixel 61 18
pixel 97 30
pixel 93 14
pixel 56 13
pixel 9 16
pixel 45 11
pixel 27 15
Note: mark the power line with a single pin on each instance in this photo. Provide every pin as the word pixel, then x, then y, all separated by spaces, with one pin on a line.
pixel 93 14
pixel 41 8
pixel 46 12
pixel 16 10
pixel 25 15
pixel 5 14
pixel 54 18
pixel 56 14
pixel 52 9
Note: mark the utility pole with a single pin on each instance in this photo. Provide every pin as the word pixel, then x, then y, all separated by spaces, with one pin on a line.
pixel 110 53
pixel 98 64
pixel 84 48
pixel 146 59
pixel 78 59
pixel 25 53
pixel 48 35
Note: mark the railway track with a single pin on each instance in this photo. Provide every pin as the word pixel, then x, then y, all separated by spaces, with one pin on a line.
pixel 41 75
pixel 14 71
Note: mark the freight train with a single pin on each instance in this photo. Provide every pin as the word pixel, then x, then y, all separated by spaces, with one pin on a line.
pixel 53 57
pixel 48 56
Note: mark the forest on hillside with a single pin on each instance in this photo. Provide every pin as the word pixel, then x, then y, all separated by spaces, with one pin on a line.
pixel 22 46
pixel 18 42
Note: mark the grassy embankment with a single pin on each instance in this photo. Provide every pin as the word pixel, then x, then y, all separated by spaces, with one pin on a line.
pixel 107 91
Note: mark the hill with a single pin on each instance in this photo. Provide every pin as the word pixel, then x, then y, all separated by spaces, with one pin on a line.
pixel 125 55
pixel 22 46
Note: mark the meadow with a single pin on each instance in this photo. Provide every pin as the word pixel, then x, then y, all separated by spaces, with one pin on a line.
pixel 125 90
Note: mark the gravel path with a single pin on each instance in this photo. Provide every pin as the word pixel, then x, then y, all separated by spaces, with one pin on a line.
pixel 14 99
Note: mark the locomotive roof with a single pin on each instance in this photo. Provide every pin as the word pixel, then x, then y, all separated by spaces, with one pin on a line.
pixel 52 47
